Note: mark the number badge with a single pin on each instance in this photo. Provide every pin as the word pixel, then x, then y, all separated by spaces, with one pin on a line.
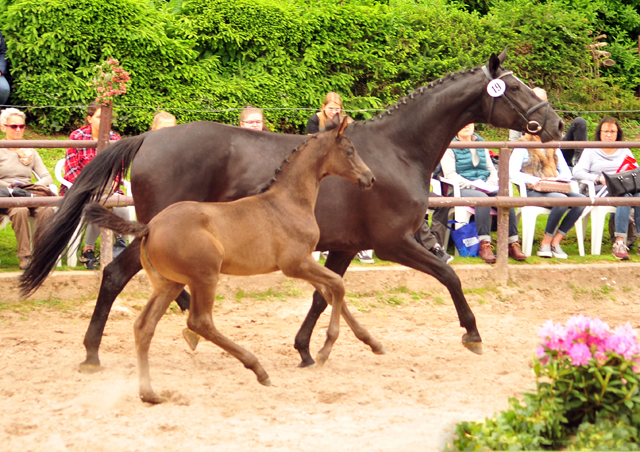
pixel 496 88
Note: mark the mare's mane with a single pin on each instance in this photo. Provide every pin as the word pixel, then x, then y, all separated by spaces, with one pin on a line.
pixel 418 91
pixel 279 169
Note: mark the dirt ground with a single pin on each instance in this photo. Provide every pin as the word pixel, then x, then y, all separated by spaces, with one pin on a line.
pixel 408 399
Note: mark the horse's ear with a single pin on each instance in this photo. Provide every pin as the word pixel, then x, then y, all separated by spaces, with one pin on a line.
pixel 494 64
pixel 503 55
pixel 343 126
pixel 332 123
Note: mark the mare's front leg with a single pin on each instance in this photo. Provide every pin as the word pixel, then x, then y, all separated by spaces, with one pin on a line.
pixel 410 253
pixel 164 291
pixel 338 262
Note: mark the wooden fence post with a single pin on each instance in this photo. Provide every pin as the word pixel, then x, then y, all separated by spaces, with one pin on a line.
pixel 106 243
pixel 502 266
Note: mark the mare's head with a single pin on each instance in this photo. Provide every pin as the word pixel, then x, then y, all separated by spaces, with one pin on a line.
pixel 342 158
pixel 509 103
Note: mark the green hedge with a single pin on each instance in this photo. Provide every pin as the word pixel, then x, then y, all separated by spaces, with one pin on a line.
pixel 190 56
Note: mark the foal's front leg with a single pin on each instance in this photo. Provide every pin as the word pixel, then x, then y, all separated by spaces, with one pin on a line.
pixel 330 286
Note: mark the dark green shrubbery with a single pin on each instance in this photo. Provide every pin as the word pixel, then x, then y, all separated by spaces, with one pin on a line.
pixel 191 56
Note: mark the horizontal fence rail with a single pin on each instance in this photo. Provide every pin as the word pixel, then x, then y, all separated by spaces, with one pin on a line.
pixel 502 202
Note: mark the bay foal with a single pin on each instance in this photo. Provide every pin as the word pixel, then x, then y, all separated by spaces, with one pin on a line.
pixel 191 243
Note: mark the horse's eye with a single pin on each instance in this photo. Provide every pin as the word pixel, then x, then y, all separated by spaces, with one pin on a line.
pixel 514 88
pixel 350 152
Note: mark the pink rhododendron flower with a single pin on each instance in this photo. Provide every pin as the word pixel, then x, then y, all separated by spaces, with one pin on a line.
pixel 579 354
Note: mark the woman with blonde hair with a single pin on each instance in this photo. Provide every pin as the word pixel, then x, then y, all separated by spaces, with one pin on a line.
pixel 331 106
pixel 163 119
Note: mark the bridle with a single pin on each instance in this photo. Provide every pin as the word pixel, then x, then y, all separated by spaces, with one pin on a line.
pixel 533 127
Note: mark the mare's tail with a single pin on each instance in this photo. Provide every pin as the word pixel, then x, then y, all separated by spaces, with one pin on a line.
pixel 53 236
pixel 98 214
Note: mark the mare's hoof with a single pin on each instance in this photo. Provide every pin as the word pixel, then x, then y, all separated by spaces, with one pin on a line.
pixel 89 368
pixel 321 359
pixel 474 346
pixel 265 382
pixel 309 362
pixel 152 398
pixel 382 351
pixel 191 338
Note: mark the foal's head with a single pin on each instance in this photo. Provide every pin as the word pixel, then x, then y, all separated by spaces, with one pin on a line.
pixel 342 158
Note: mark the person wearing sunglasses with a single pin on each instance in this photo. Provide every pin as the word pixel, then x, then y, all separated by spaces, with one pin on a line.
pixel 593 162
pixel 4 84
pixel 16 166
pixel 251 118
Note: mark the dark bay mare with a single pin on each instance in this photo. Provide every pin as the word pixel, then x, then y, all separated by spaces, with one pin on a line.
pixel 192 243
pixel 205 161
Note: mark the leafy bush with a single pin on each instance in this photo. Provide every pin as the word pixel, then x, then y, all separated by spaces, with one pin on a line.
pixel 587 394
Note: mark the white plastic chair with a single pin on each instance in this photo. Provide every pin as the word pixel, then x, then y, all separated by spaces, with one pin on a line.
pixel 529 215
pixel 74 245
pixel 598 219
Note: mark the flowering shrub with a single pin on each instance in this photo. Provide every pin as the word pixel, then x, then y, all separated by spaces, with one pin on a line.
pixel 111 81
pixel 586 398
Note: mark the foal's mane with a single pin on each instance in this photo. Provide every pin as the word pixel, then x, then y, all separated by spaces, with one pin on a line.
pixel 279 169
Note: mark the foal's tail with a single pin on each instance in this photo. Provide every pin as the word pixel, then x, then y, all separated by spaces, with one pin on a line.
pixel 98 214
pixel 53 236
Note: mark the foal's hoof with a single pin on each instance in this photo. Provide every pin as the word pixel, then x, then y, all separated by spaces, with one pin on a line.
pixel 89 368
pixel 382 351
pixel 191 338
pixel 474 346
pixel 152 398
pixel 265 382
pixel 321 359
pixel 307 362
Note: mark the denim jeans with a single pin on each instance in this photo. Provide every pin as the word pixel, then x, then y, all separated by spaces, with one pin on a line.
pixel 557 212
pixel 4 90
pixel 622 217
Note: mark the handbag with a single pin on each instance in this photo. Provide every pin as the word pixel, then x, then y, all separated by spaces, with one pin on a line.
pixel 466 239
pixel 619 184
pixel 549 186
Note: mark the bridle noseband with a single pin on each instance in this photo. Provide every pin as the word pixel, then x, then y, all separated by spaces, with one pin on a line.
pixel 533 127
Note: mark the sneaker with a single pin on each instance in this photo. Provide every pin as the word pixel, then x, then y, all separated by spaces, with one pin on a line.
pixel 515 252
pixel 89 259
pixel 119 246
pixel 558 253
pixel 365 257
pixel 620 251
pixel 316 255
pixel 441 254
pixel 544 251
pixel 486 252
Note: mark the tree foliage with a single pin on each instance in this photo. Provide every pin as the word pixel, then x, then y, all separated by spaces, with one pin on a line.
pixel 192 56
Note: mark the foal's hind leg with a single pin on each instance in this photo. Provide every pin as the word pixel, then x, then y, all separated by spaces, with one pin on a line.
pixel 201 321
pixel 164 292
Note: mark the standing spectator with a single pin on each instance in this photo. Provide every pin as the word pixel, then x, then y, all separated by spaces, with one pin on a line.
pixel 4 84
pixel 331 106
pixel 16 165
pixel 577 132
pixel 163 119
pixel 76 159
pixel 251 118
pixel 519 171
pixel 467 167
pixel 594 162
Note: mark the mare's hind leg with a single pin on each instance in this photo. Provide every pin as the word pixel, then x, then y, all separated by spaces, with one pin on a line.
pixel 164 292
pixel 116 275
pixel 201 321
pixel 338 262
